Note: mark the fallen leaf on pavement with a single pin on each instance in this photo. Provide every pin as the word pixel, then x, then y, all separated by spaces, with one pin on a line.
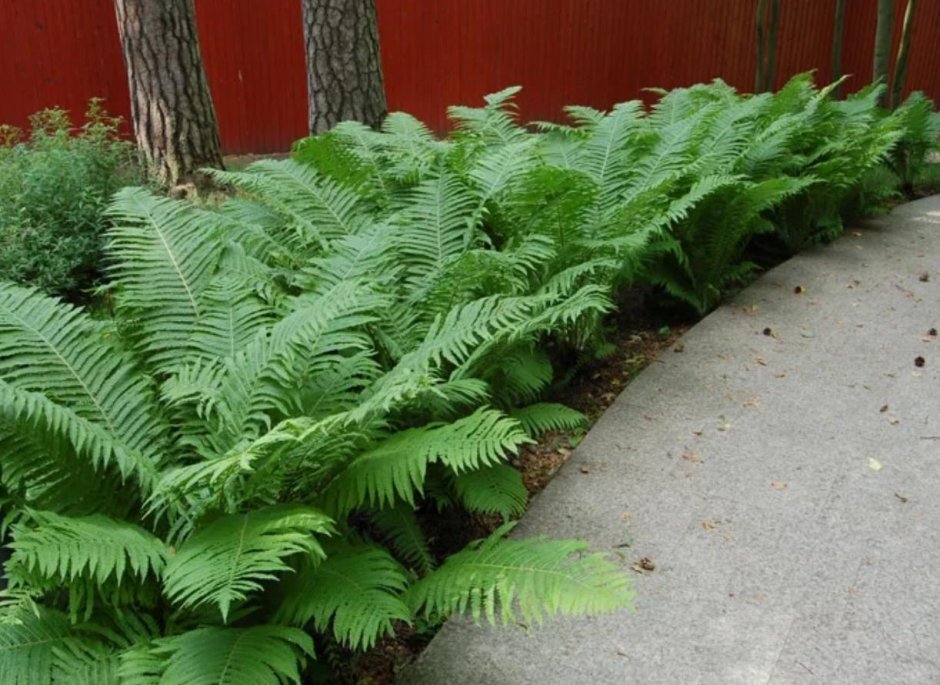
pixel 874 464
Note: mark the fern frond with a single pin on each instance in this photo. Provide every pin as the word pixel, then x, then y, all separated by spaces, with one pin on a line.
pixel 530 579
pixel 537 419
pixel 164 254
pixel 316 205
pixel 399 526
pixel 354 593
pixel 493 123
pixel 395 468
pixel 232 316
pixel 258 655
pixel 436 226
pixel 228 559
pixel 101 549
pixel 496 489
pixel 39 648
pixel 56 363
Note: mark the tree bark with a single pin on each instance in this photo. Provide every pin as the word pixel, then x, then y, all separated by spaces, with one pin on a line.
pixel 174 118
pixel 838 32
pixel 766 45
pixel 770 74
pixel 759 21
pixel 344 67
pixel 883 33
pixel 904 52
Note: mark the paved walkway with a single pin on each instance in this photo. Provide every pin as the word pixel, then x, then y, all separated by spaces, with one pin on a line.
pixel 787 487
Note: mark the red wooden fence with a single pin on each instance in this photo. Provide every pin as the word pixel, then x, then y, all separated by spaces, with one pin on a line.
pixel 441 52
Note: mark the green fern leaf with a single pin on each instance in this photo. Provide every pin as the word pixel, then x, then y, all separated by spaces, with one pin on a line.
pixel 537 419
pixel 396 468
pixel 354 593
pixel 230 558
pixel 259 655
pixel 165 253
pixel 41 647
pixel 98 548
pixel 530 579
pixel 496 489
pixel 399 526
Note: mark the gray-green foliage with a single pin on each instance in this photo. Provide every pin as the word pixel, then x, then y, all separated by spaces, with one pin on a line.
pixel 54 188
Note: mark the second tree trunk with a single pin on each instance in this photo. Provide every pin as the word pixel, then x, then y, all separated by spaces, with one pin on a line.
pixel 174 119
pixel 344 68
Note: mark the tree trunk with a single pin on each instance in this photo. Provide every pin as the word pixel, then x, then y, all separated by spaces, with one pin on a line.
pixel 174 119
pixel 766 45
pixel 344 68
pixel 770 74
pixel 883 33
pixel 759 22
pixel 837 34
pixel 904 52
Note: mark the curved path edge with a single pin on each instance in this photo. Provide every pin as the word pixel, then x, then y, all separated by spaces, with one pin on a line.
pixel 787 487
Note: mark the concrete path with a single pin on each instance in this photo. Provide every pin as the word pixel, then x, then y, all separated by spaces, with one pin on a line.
pixel 786 486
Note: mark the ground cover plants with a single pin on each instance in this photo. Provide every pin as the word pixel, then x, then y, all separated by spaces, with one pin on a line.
pixel 245 461
pixel 55 184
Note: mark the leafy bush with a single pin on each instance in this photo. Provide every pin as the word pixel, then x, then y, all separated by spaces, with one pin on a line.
pixel 294 387
pixel 54 189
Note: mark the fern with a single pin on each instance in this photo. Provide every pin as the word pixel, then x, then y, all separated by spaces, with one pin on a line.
pixel 247 449
pixel 224 656
pixel 230 558
pixel 537 419
pixel 43 647
pixel 496 489
pixel 396 468
pixel 354 593
pixel 508 580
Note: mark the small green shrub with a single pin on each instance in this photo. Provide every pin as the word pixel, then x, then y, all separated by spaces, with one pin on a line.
pixel 54 189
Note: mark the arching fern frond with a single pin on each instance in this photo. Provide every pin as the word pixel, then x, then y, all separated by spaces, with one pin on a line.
pixel 258 655
pixel 225 561
pixel 532 579
pixel 103 550
pixel 354 593
pixel 399 526
pixel 56 363
pixel 436 225
pixel 543 417
pixel 319 206
pixel 164 253
pixel 496 489
pixel 42 648
pixel 395 468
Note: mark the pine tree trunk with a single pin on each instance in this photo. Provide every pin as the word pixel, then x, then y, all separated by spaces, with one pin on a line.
pixel 344 68
pixel 904 52
pixel 174 118
pixel 883 33
pixel 838 32
pixel 770 74
pixel 759 21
